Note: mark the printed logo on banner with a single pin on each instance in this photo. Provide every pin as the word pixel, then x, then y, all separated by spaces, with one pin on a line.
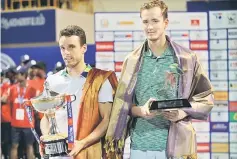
pixel 218 54
pixel 138 36
pixel 233 126
pixel 179 35
pixel 118 66
pixel 218 34
pixel 233 65
pixel 104 56
pixel 203 147
pixel 203 137
pixel 219 127
pixel 120 56
pixel 232 18
pixel 232 44
pixel 218 44
pixel 232 33
pixel 233 116
pixel 220 85
pixel 183 43
pixel 195 22
pixel 233 75
pixel 232 54
pixel 105 66
pixel 198 35
pixel 123 46
pixel 219 116
pixel 123 36
pixel 233 147
pixel 233 85
pixel 219 137
pixel 219 155
pixel 215 19
pixel 233 137
pixel 222 96
pixel 104 36
pixel 202 55
pixel 201 126
pixel 233 106
pixel 219 147
pixel 218 65
pixel 218 75
pixel 232 95
pixel 220 106
pixel 199 45
pixel 203 155
pixel 104 46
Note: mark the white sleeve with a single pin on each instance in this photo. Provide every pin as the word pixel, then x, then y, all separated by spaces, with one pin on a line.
pixel 106 92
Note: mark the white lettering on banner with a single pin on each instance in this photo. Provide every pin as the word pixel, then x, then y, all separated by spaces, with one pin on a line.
pixel 232 33
pixel 118 66
pixel 203 137
pixel 138 36
pixel 233 147
pixel 218 34
pixel 123 36
pixel 203 155
pixel 120 56
pixel 104 46
pixel 198 35
pixel 232 44
pixel 218 65
pixel 179 35
pixel 105 66
pixel 218 44
pixel 220 86
pixel 201 126
pixel 232 54
pixel 233 137
pixel 233 85
pixel 218 54
pixel 199 45
pixel 233 75
pixel 233 96
pixel 202 55
pixel 218 75
pixel 220 156
pixel 219 137
pixel 219 116
pixel 233 126
pixel 123 46
pixel 183 43
pixel 24 21
pixel 104 36
pixel 104 56
pixel 203 147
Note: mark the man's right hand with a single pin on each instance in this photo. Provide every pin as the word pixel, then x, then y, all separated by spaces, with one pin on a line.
pixel 41 147
pixel 145 110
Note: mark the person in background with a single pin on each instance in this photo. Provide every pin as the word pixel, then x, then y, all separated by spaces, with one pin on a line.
pixel 159 69
pixel 20 124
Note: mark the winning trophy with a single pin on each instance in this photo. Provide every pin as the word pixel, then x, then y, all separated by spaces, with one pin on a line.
pixel 54 144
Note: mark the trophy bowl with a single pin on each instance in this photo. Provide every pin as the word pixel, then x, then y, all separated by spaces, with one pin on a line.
pixel 43 104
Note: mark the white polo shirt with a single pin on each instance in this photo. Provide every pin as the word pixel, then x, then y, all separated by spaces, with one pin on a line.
pixel 61 83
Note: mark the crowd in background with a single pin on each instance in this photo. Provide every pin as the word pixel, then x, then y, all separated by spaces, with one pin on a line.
pixel 17 84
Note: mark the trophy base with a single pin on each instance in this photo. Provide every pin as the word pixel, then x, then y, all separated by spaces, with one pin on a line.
pixel 55 148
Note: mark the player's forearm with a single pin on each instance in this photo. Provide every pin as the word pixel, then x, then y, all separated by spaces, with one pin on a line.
pixel 44 125
pixel 136 111
pixel 97 134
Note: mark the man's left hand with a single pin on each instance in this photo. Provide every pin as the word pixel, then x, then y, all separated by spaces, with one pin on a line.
pixel 174 115
pixel 78 146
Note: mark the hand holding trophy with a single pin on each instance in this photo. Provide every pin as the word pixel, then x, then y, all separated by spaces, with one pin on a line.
pixel 55 143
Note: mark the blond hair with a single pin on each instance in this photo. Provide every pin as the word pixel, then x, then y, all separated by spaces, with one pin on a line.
pixel 156 3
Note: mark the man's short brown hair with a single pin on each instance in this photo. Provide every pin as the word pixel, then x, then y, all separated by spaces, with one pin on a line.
pixel 74 30
pixel 156 3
